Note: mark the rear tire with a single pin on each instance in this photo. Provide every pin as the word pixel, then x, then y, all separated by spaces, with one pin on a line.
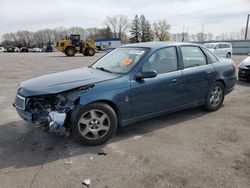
pixel 90 51
pixel 94 124
pixel 70 51
pixel 228 55
pixel 215 97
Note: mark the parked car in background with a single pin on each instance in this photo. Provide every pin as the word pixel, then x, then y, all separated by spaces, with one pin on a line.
pixel 36 50
pixel 48 48
pixel 221 49
pixel 10 48
pixel 17 49
pixel 2 49
pixel 24 49
pixel 129 84
pixel 244 69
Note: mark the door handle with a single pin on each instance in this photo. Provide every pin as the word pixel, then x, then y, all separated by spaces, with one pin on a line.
pixel 174 81
pixel 209 73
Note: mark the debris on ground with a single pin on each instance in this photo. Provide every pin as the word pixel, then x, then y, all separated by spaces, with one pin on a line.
pixel 102 153
pixel 68 162
pixel 19 138
pixel 49 148
pixel 35 143
pixel 91 158
pixel 136 137
pixel 87 182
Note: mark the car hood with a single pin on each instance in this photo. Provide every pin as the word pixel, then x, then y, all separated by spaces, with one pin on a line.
pixel 246 62
pixel 63 81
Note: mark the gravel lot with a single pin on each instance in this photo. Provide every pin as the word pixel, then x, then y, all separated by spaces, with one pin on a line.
pixel 191 148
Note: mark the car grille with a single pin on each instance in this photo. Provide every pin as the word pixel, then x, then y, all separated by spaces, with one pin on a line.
pixel 20 102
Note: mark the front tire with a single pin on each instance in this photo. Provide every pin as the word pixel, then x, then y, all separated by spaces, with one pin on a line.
pixel 94 124
pixel 70 51
pixel 215 97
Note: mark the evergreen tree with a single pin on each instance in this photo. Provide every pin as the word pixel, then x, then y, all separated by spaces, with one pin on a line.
pixel 149 35
pixel 135 31
pixel 143 29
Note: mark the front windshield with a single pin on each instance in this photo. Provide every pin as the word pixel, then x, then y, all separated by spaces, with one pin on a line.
pixel 209 45
pixel 120 60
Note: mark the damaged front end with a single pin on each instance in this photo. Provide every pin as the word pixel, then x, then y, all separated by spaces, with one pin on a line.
pixel 52 111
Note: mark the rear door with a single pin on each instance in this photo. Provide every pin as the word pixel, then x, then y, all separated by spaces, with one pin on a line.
pixel 198 74
pixel 224 50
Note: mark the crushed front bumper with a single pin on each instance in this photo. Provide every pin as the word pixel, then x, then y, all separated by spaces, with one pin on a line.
pixel 244 74
pixel 27 116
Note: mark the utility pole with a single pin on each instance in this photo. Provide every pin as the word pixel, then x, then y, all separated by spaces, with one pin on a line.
pixel 202 30
pixel 183 34
pixel 187 37
pixel 246 27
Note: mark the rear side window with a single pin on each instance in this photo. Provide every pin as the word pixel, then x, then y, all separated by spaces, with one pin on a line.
pixel 210 57
pixel 222 45
pixel 193 56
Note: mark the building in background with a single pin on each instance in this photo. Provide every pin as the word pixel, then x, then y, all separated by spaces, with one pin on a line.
pixel 107 43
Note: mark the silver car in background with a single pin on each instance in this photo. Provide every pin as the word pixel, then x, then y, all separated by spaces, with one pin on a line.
pixel 1 49
pixel 221 49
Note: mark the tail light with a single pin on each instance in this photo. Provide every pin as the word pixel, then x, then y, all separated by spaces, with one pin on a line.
pixel 234 67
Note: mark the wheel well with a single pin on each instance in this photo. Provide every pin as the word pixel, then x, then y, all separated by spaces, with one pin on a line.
pixel 222 81
pixel 114 107
pixel 69 47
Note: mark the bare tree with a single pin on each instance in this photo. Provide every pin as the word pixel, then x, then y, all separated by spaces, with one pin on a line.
pixel 118 24
pixel 111 22
pixel 210 36
pixel 161 30
pixel 199 37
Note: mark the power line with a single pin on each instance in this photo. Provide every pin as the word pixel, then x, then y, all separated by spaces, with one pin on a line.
pixel 230 17
pixel 209 8
pixel 221 6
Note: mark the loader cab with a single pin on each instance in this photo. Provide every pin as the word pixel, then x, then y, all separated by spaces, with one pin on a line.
pixel 75 39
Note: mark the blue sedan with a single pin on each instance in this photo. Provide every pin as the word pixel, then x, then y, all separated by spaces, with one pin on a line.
pixel 129 84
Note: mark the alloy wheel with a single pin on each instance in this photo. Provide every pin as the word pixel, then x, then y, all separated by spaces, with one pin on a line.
pixel 94 124
pixel 215 96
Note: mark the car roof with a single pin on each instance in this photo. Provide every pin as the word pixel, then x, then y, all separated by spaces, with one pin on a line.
pixel 157 45
pixel 217 43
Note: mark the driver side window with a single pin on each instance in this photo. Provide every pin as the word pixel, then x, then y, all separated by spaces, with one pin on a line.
pixel 162 61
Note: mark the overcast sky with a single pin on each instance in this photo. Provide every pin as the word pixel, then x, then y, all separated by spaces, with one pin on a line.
pixel 217 15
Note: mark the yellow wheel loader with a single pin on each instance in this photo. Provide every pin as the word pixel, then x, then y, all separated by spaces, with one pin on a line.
pixel 72 45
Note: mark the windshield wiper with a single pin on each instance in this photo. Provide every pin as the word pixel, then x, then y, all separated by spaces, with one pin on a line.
pixel 103 69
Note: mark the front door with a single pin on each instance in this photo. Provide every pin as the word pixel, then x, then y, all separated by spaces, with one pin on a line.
pixel 161 92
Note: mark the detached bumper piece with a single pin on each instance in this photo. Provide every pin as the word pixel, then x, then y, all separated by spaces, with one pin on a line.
pixel 27 116
pixel 244 74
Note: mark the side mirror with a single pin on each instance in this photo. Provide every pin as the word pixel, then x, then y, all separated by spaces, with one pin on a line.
pixel 147 74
